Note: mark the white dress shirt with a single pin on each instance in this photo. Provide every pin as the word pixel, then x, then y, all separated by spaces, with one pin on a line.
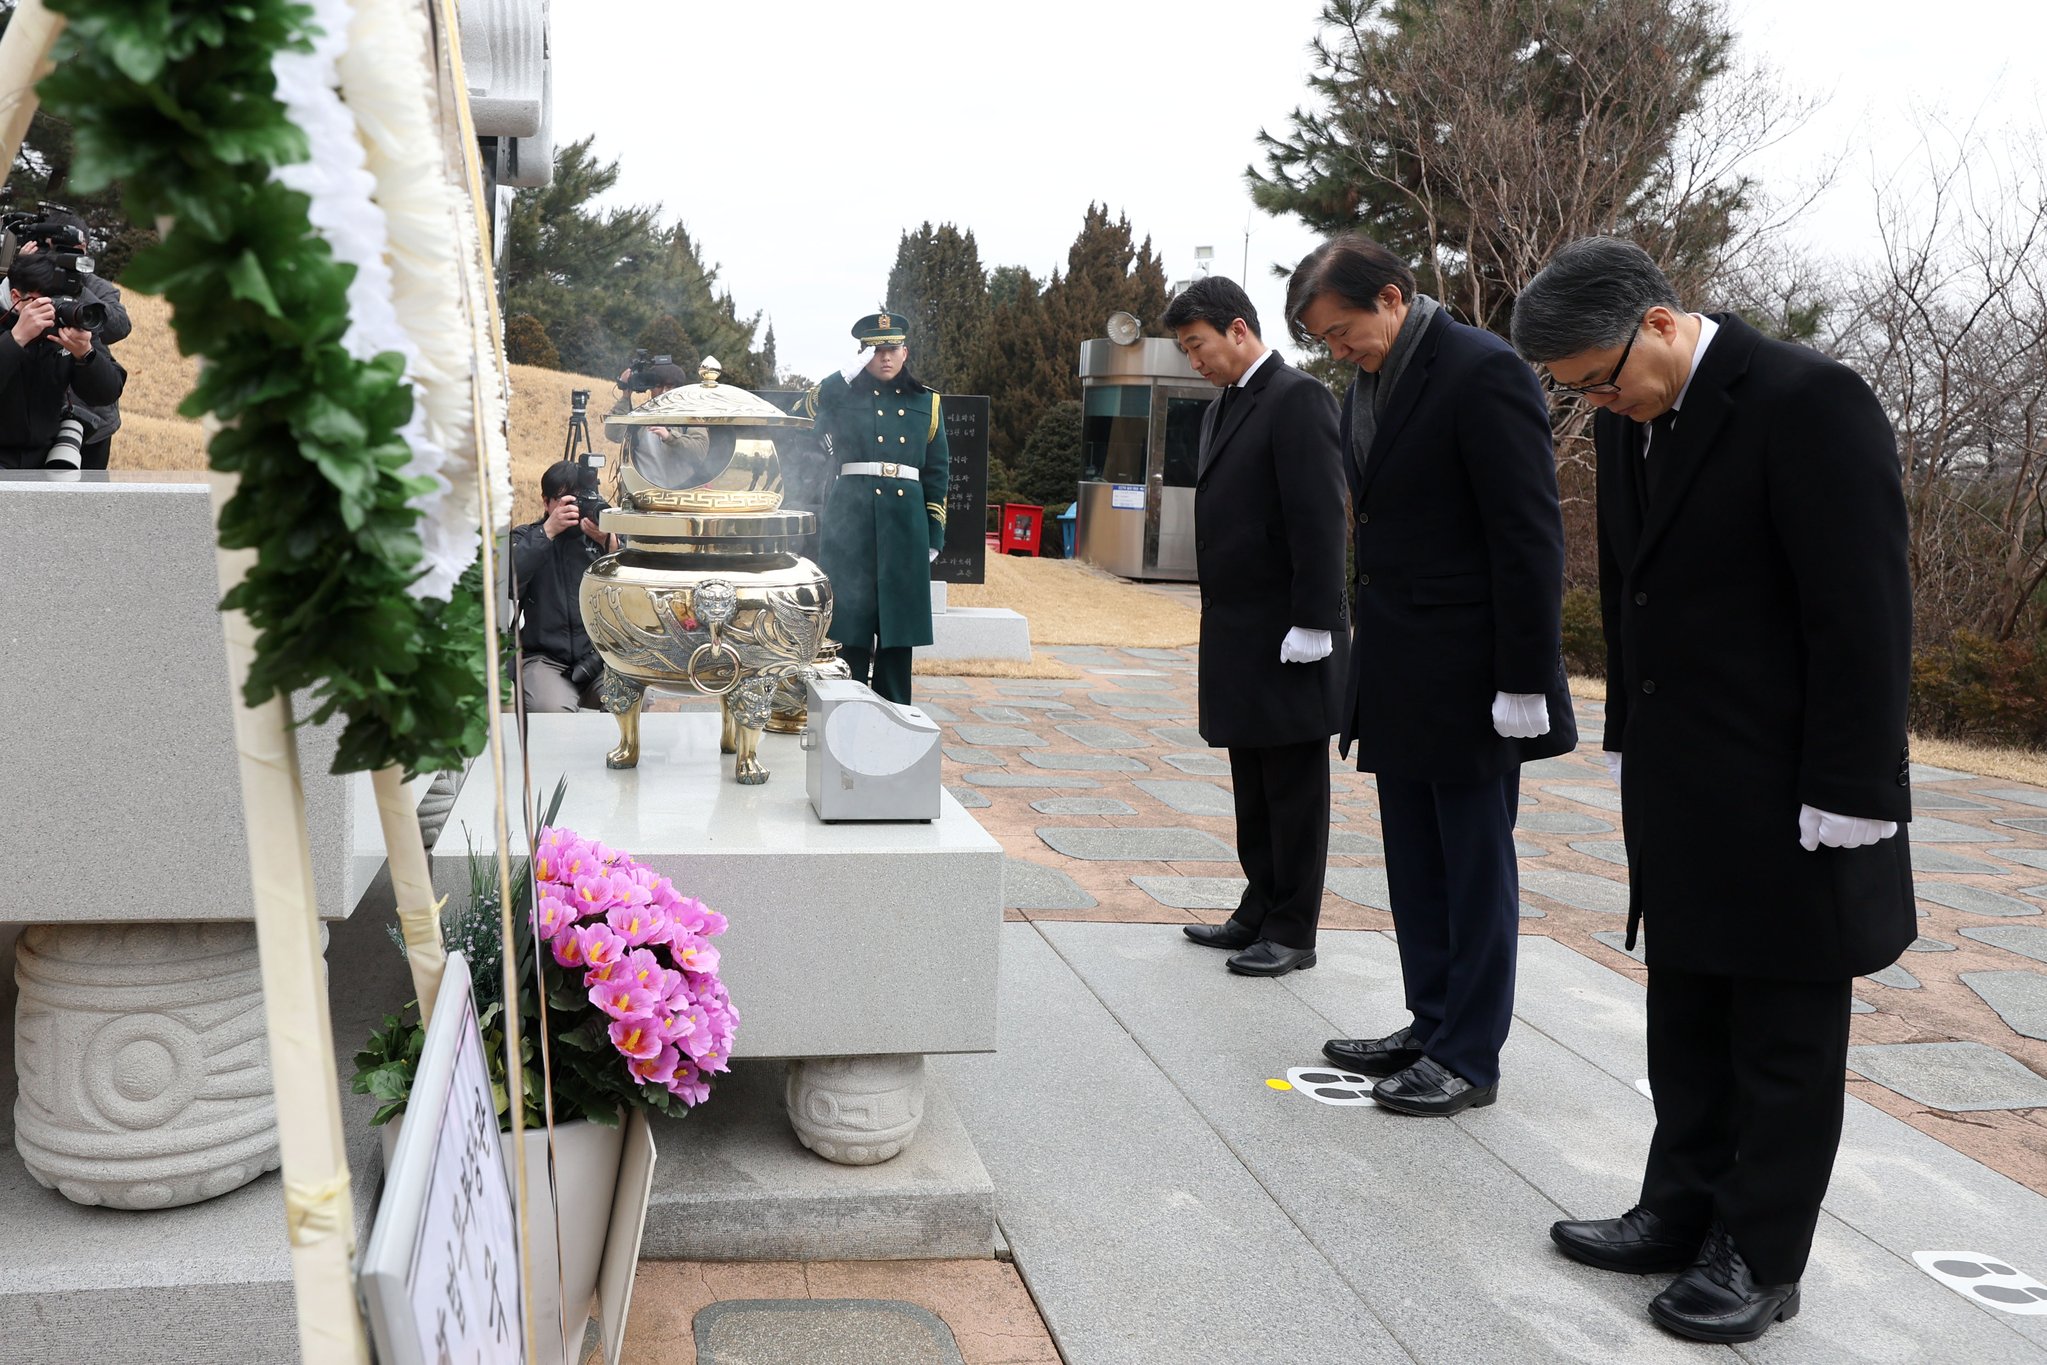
pixel 1707 330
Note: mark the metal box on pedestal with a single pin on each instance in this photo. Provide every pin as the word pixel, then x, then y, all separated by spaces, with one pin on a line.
pixel 869 759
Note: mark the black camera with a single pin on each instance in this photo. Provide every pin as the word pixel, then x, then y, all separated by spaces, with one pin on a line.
pixel 579 402
pixel 637 367
pixel 591 505
pixel 586 670
pixel 65 246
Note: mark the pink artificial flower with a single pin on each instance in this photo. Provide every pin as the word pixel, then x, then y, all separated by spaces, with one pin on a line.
pixel 635 1037
pixel 693 954
pixel 597 891
pixel 655 1070
pixel 673 1021
pixel 598 949
pixel 688 1084
pixel 645 969
pixel 557 917
pixel 693 916
pixel 558 854
pixel 637 924
pixel 623 999
pixel 568 949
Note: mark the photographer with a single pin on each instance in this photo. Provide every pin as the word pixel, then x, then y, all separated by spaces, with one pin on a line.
pixel 41 363
pixel 672 457
pixel 549 559
pixel 64 236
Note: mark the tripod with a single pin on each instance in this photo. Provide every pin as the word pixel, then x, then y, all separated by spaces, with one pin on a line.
pixel 576 442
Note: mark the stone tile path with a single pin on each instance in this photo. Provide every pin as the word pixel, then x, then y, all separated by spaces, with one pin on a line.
pixel 1106 781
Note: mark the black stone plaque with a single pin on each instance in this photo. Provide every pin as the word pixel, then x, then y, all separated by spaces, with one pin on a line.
pixel 965 556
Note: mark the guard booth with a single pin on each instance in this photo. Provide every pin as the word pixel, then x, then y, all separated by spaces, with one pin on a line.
pixel 1141 407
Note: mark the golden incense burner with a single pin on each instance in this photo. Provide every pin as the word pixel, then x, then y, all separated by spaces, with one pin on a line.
pixel 708 595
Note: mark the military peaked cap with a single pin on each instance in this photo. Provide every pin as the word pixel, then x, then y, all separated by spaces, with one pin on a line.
pixel 882 329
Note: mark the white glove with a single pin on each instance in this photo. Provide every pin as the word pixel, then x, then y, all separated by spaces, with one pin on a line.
pixel 1520 715
pixel 1613 766
pixel 934 558
pixel 1816 827
pixel 1304 646
pixel 851 369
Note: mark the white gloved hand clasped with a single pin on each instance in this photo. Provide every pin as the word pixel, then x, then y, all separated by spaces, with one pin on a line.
pixel 1817 827
pixel 1520 715
pixel 1613 766
pixel 1303 646
pixel 934 558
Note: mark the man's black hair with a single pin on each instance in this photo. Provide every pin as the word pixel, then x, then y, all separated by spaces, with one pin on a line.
pixel 1352 268
pixel 1217 301
pixel 35 273
pixel 563 476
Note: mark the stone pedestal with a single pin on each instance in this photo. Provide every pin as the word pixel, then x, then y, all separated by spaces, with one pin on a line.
pixel 866 944
pixel 856 1110
pixel 144 1071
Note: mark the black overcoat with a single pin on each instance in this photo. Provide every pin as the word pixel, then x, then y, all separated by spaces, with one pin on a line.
pixel 1460 565
pixel 1268 549
pixel 1758 615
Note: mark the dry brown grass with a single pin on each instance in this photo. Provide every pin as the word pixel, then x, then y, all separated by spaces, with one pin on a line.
pixel 153 436
pixel 1069 603
pixel 1040 666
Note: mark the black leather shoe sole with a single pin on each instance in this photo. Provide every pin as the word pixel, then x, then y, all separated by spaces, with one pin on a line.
pixel 1730 1333
pixel 1643 1258
pixel 1380 1064
pixel 1478 1097
pixel 1299 964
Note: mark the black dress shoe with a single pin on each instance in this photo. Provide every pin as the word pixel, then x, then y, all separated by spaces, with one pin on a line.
pixel 1717 1300
pixel 1429 1088
pixel 1636 1243
pixel 1229 934
pixel 1375 1056
pixel 1266 958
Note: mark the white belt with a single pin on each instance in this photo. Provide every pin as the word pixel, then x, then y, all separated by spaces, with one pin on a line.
pixel 884 471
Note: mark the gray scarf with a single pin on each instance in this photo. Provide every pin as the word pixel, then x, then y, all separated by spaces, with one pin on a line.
pixel 1364 416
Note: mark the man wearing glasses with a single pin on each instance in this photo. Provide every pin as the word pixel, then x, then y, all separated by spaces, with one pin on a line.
pixel 1758 615
pixel 1456 672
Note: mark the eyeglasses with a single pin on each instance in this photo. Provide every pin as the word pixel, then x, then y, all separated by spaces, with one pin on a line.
pixel 1605 387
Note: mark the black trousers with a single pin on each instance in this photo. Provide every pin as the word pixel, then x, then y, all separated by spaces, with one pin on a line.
pixel 93 454
pixel 885 670
pixel 1747 1079
pixel 1457 910
pixel 1282 799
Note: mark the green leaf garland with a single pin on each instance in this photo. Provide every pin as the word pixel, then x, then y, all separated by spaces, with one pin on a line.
pixel 175 100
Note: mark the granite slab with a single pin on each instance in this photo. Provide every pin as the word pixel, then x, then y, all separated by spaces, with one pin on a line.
pixel 1975 900
pixel 1188 797
pixel 1125 700
pixel 2020 998
pixel 1033 886
pixel 1101 736
pixel 1071 782
pixel 1085 762
pixel 1600 798
pixel 1613 851
pixel 1194 893
pixel 1930 830
pixel 968 798
pixel 2027 940
pixel 1179 734
pixel 1580 890
pixel 1081 805
pixel 1562 822
pixel 1926 858
pixel 1000 736
pixel 1137 845
pixel 1955 1077
pixel 962 753
pixel 1201 765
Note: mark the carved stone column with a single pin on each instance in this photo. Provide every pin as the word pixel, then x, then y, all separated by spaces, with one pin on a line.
pixel 145 1075
pixel 857 1111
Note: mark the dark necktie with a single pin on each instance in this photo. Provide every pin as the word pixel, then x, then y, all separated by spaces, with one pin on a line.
pixel 1222 410
pixel 1657 451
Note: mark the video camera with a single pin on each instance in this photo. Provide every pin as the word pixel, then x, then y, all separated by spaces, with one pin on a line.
pixel 637 367
pixel 64 246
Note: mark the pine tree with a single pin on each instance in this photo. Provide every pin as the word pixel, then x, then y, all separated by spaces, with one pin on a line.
pixel 1048 471
pixel 939 287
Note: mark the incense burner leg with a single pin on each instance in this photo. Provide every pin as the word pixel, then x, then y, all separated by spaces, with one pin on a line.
pixel 728 730
pixel 623 698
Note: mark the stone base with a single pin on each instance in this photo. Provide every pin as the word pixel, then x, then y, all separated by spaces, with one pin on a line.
pixel 198 1285
pixel 978 633
pixel 734 1184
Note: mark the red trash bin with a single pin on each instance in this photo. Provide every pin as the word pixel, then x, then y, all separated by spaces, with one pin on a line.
pixel 1022 524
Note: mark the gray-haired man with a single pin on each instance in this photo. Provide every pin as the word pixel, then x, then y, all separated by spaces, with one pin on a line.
pixel 1758 617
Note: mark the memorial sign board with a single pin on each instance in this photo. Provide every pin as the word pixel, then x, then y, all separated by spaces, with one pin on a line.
pixel 440 1272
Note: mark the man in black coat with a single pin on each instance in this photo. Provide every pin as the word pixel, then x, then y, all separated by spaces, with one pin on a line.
pixel 1456 670
pixel 560 668
pixel 1268 547
pixel 42 365
pixel 1758 615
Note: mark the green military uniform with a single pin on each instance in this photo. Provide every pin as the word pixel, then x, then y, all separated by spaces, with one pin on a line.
pixel 886 512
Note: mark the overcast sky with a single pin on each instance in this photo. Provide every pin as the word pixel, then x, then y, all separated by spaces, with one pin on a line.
pixel 783 136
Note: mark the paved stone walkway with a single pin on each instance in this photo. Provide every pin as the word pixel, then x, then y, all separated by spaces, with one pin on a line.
pixel 1112 809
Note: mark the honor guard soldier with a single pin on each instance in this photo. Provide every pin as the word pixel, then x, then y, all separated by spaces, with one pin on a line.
pixel 884 519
